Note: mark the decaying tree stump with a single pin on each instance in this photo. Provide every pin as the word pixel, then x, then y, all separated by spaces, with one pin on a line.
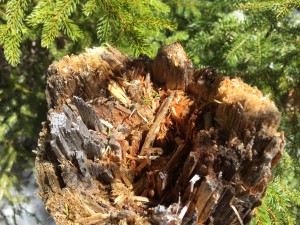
pixel 141 141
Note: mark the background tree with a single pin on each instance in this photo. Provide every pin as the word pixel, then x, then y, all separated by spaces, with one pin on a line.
pixel 256 40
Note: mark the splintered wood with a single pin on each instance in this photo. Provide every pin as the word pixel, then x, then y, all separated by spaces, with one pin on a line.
pixel 141 141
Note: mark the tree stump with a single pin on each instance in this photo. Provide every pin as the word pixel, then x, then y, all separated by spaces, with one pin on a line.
pixel 153 141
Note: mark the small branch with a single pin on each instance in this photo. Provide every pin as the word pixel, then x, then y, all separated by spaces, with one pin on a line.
pixel 237 214
pixel 161 114
pixel 272 214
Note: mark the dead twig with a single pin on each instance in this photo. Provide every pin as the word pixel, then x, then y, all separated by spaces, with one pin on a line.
pixel 161 114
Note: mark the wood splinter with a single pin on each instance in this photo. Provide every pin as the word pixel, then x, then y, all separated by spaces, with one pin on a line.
pixel 154 129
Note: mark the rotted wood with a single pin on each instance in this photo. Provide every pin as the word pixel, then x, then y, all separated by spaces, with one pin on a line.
pixel 141 141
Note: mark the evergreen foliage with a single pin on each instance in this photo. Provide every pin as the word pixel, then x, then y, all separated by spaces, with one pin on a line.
pixel 280 8
pixel 257 40
pixel 276 205
pixel 23 107
pixel 11 33
pixel 122 23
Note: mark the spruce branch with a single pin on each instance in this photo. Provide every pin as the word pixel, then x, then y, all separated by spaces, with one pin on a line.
pixel 52 27
pixel 282 8
pixel 104 28
pixel 52 19
pixel 72 30
pixel 11 39
pixel 237 46
pixel 276 203
pixel 90 7
pixel 41 13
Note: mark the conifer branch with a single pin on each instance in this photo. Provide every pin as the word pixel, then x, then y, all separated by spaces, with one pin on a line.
pixel 11 39
pixel 90 7
pixel 237 46
pixel 72 30
pixel 41 12
pixel 52 19
pixel 282 7
pixel 51 28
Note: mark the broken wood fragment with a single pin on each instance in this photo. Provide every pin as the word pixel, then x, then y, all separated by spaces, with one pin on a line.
pixel 154 129
pixel 140 141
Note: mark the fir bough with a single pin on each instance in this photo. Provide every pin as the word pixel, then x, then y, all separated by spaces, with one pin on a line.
pixel 281 7
pixel 280 204
pixel 117 22
pixel 14 30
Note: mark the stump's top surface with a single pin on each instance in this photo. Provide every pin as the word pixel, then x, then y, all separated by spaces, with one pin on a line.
pixel 139 141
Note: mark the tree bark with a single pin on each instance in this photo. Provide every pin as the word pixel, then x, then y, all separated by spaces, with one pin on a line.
pixel 141 141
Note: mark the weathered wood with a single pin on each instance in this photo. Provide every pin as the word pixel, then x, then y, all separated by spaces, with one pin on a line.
pixel 172 68
pixel 119 147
